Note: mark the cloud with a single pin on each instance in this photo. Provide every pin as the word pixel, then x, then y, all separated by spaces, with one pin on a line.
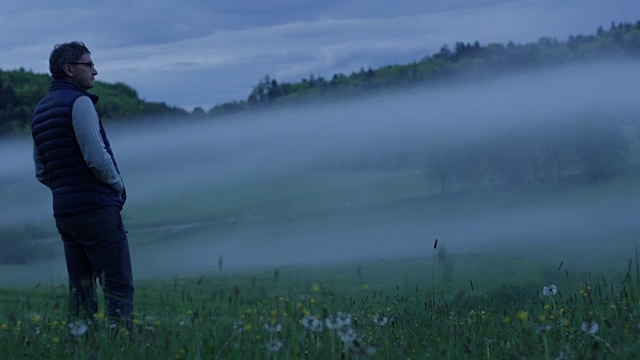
pixel 166 50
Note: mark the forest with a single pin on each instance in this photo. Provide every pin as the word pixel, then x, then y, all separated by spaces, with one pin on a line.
pixel 588 149
pixel 21 89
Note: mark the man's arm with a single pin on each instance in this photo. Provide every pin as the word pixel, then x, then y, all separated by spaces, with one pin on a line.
pixel 87 128
pixel 41 175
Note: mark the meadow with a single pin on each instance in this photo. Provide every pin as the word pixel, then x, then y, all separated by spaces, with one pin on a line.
pixel 337 264
pixel 539 289
pixel 488 307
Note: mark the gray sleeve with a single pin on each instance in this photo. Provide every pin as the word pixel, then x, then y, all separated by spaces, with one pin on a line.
pixel 87 128
pixel 41 175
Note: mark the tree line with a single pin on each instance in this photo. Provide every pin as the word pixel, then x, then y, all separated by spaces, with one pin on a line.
pixel 463 60
pixel 20 89
pixel 590 148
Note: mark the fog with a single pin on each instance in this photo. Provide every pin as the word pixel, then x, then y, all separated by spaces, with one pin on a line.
pixel 201 190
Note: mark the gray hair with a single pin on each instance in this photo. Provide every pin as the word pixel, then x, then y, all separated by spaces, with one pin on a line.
pixel 64 54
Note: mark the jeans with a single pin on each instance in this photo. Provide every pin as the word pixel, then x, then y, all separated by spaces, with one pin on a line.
pixel 96 247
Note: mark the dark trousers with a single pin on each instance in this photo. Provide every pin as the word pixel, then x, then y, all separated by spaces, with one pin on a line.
pixel 96 246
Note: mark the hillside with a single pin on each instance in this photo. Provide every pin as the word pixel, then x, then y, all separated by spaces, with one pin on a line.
pixel 20 90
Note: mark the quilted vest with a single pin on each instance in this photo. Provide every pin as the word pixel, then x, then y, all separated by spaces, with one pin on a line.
pixel 74 187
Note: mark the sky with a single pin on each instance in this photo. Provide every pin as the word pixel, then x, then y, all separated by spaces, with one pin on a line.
pixel 201 53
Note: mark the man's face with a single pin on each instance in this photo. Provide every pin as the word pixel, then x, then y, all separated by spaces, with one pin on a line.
pixel 82 72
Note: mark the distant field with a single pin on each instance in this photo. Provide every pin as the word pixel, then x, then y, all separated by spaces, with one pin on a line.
pixel 250 271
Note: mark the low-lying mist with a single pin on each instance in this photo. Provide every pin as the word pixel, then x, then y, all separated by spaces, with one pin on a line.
pixel 288 186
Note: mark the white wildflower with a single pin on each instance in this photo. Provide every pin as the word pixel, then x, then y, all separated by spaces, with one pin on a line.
pixel 332 324
pixel 273 328
pixel 312 323
pixel 78 328
pixel 591 329
pixel 239 326
pixel 543 329
pixel 380 320
pixel 549 290
pixel 347 334
pixel 273 345
pixel 341 320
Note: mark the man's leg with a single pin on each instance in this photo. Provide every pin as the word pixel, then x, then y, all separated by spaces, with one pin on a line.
pixel 108 250
pixel 83 298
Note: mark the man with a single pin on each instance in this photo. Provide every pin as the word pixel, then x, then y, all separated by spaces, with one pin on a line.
pixel 74 159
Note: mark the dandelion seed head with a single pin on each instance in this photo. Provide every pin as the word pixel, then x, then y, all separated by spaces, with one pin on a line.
pixel 343 319
pixel 331 324
pixel 273 345
pixel 312 323
pixel 78 328
pixel 347 334
pixel 273 327
pixel 591 329
pixel 543 329
pixel 549 290
pixel 380 320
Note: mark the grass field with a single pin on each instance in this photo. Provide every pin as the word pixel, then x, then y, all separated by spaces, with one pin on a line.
pixel 343 265
pixel 466 306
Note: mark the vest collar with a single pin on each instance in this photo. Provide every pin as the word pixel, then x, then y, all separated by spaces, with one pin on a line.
pixel 63 84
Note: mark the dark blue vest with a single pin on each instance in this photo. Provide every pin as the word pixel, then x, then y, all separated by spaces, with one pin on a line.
pixel 74 186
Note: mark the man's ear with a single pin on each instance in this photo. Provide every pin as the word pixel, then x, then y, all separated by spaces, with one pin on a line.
pixel 68 70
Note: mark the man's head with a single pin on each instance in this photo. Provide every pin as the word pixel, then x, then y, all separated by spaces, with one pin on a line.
pixel 72 61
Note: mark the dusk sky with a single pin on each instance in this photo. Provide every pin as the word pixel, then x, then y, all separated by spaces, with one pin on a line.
pixel 200 53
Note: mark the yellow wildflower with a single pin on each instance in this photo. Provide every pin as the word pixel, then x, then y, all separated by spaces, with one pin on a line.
pixel 522 316
pixel 4 327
